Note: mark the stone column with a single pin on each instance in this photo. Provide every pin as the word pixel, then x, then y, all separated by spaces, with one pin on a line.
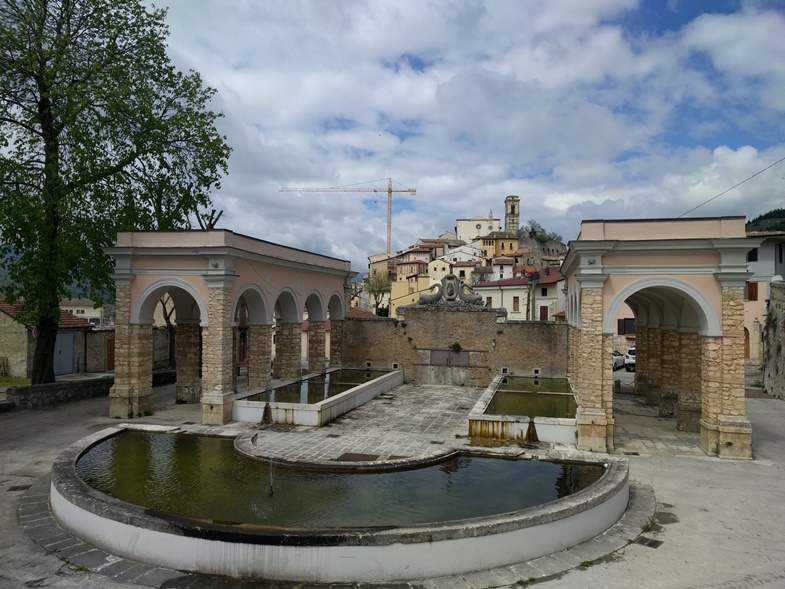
pixel 235 356
pixel 735 430
pixel 336 342
pixel 218 355
pixel 670 372
pixel 288 338
pixel 711 392
pixel 592 420
pixel 688 410
pixel 189 387
pixel 641 368
pixel 259 352
pixel 132 392
pixel 316 346
pixel 653 362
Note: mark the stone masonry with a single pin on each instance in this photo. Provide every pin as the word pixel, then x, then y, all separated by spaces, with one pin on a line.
pixel 288 337
pixel 336 342
pixel 688 409
pixel 260 339
pixel 132 393
pixel 774 343
pixel 218 358
pixel 188 388
pixel 317 346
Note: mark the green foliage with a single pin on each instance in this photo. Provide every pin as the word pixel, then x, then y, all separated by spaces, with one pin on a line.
pixel 774 220
pixel 456 347
pixel 538 232
pixel 377 285
pixel 98 133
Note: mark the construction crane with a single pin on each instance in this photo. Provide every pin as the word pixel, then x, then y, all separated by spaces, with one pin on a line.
pixel 355 188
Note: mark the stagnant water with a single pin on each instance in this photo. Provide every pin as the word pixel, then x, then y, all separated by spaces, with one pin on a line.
pixel 532 384
pixel 204 477
pixel 318 388
pixel 531 404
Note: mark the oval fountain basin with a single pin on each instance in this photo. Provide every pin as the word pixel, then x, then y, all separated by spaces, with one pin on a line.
pixel 206 508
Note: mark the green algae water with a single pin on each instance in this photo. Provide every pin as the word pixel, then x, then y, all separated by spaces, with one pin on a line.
pixel 532 404
pixel 204 477
pixel 534 385
pixel 318 388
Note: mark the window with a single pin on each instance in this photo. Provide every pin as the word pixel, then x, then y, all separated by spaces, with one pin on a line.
pixel 752 291
pixel 502 246
pixel 544 291
pixel 489 302
pixel 462 274
pixel 752 255
pixel 626 326
pixel 516 303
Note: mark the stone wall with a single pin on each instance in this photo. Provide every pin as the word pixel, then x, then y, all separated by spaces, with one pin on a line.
pixel 56 393
pixel 774 343
pixel 523 348
pixel 13 347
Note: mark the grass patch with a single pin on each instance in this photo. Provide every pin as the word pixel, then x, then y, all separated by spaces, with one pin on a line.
pixel 12 381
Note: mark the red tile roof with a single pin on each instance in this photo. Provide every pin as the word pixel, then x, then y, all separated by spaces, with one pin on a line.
pixel 67 320
pixel 552 278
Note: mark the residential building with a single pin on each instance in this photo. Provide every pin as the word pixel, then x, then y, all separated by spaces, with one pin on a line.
pixel 765 262
pixel 537 296
pixel 85 309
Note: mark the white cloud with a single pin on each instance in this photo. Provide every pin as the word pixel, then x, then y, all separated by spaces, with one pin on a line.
pixel 563 103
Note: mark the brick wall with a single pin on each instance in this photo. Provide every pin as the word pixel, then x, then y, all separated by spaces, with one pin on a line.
pixel 521 347
pixel 774 343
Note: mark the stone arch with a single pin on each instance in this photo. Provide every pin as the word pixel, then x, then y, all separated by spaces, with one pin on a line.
pixel 259 311
pixel 315 307
pixel 188 303
pixel 286 308
pixel 661 289
pixel 336 307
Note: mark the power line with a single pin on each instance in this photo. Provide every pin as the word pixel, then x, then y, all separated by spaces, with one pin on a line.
pixel 732 187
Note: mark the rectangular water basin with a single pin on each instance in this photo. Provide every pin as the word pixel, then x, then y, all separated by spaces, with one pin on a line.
pixel 526 409
pixel 318 400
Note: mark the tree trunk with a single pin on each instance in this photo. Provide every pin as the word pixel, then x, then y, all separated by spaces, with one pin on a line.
pixel 44 356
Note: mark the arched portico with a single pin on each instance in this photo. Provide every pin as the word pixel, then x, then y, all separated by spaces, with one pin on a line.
pixel 684 281
pixel 213 277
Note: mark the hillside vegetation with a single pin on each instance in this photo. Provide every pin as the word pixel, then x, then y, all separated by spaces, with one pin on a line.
pixel 771 221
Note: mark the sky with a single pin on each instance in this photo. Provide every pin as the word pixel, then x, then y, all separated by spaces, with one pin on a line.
pixel 590 109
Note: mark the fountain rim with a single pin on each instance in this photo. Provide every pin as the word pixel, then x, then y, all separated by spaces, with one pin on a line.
pixel 67 483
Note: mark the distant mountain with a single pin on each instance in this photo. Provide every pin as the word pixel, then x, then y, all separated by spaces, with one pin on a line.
pixel 771 221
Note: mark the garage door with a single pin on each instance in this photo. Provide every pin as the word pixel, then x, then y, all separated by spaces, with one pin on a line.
pixel 64 353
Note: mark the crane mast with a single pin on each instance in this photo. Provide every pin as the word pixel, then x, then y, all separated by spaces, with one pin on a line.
pixel 390 190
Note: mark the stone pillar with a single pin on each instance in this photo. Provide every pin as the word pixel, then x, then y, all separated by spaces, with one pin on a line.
pixel 641 368
pixel 670 372
pixel 336 342
pixel 735 430
pixel 688 410
pixel 259 352
pixel 316 346
pixel 288 338
pixel 218 355
pixel 571 354
pixel 591 418
pixel 235 356
pixel 132 392
pixel 653 361
pixel 711 392
pixel 189 387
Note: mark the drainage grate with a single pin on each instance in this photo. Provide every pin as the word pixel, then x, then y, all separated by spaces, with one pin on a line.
pixel 632 454
pixel 19 488
pixel 333 435
pixel 438 442
pixel 356 457
pixel 650 542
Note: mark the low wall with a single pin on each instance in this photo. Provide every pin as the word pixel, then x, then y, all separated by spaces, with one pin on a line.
pixel 51 394
pixel 55 393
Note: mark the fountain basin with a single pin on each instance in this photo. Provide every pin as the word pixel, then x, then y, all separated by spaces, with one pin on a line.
pixel 515 408
pixel 374 554
pixel 314 414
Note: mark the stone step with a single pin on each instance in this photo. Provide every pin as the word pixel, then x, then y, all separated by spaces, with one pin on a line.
pixel 6 406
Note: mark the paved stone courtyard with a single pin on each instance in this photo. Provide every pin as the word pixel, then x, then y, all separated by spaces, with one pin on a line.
pixel 717 523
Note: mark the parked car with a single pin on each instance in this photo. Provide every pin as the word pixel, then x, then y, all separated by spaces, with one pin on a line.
pixel 618 360
pixel 629 360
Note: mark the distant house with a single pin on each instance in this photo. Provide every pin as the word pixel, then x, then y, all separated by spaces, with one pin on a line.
pixel 85 309
pixel 765 262
pixel 536 297
pixel 17 343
